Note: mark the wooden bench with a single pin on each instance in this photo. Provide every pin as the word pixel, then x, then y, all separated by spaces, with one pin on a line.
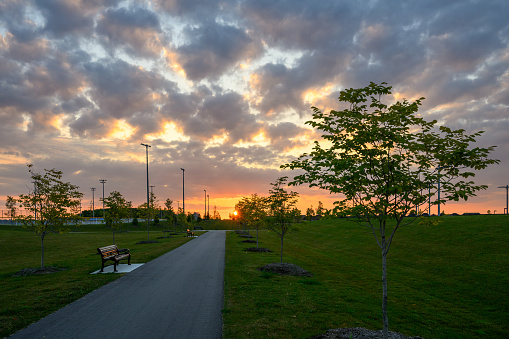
pixel 189 233
pixel 115 254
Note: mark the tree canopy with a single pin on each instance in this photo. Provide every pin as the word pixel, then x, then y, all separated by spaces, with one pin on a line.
pixel 52 204
pixel 385 161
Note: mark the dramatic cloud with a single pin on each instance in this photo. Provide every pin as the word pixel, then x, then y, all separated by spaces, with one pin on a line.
pixel 223 88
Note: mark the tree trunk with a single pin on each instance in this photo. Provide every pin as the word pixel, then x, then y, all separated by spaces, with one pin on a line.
pixel 113 236
pixel 257 237
pixel 42 250
pixel 384 297
pixel 281 248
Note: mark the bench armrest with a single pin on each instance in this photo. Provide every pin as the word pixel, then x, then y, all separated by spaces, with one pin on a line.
pixel 123 250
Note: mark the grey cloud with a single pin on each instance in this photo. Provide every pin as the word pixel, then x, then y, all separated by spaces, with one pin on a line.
pixel 303 24
pixel 137 30
pixel 121 89
pixel 220 113
pixel 214 48
pixel 64 17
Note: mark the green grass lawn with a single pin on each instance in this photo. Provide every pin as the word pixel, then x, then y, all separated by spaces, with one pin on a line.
pixel 27 299
pixel 445 281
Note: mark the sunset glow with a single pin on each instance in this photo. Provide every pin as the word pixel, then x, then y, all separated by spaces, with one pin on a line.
pixel 224 89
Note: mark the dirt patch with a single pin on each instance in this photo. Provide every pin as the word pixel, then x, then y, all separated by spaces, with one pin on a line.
pixel 286 269
pixel 257 249
pixel 38 271
pixel 249 241
pixel 358 333
pixel 246 236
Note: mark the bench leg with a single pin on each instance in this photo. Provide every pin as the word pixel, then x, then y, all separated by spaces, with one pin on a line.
pixel 115 266
pixel 102 267
pixel 129 260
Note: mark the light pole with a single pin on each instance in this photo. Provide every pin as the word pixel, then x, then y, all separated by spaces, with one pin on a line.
pixel 102 181
pixel 148 199
pixel 93 206
pixel 183 198
pixel 205 212
pixel 208 209
pixel 506 210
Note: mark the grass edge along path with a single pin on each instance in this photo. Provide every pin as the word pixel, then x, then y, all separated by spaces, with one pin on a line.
pixel 445 281
pixel 27 299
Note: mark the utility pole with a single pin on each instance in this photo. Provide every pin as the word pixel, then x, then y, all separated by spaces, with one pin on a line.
pixel 93 206
pixel 506 210
pixel 102 181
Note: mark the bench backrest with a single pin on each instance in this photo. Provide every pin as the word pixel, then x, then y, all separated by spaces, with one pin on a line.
pixel 108 251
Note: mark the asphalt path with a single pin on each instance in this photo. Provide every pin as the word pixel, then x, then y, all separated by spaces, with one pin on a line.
pixel 178 295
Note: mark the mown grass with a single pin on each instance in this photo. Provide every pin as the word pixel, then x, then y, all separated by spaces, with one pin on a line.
pixel 27 299
pixel 445 281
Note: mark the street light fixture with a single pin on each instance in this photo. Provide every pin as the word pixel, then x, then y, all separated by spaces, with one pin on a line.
pixel 183 198
pixel 148 199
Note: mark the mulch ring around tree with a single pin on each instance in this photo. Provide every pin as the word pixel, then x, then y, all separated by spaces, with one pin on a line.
pixel 285 269
pixel 358 333
pixel 38 271
pixel 146 242
pixel 257 249
pixel 249 241
pixel 246 236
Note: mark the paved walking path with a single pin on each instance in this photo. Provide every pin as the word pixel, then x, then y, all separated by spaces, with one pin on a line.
pixel 178 295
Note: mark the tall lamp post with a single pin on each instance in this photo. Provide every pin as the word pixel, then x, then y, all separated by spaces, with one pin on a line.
pixel 183 198
pixel 102 181
pixel 506 210
pixel 208 208
pixel 205 212
pixel 93 199
pixel 148 198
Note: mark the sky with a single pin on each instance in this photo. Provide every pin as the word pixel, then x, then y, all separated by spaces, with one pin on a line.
pixel 223 88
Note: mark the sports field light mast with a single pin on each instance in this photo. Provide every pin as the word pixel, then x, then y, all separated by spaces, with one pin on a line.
pixel 506 210
pixel 102 181
pixel 93 204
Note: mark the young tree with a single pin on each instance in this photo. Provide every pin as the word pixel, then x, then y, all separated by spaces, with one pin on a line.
pixel 383 159
pixel 282 211
pixel 216 214
pixel 252 211
pixel 320 210
pixel 53 201
pixel 118 209
pixel 170 212
pixel 10 204
pixel 310 213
